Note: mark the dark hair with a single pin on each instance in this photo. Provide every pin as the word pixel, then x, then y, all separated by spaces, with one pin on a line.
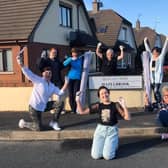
pixel 75 50
pixel 157 49
pixel 100 88
pixel 46 69
pixel 44 65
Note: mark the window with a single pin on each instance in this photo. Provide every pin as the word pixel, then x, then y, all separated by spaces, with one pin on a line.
pixel 158 42
pixel 102 29
pixel 122 64
pixel 6 62
pixel 124 34
pixel 65 16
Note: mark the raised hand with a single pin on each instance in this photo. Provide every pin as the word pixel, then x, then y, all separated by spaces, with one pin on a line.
pixel 121 47
pixel 99 45
pixel 121 100
pixel 145 39
pixel 19 57
pixel 167 38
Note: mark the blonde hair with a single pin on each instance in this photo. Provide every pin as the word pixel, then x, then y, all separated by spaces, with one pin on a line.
pixel 164 89
pixel 110 50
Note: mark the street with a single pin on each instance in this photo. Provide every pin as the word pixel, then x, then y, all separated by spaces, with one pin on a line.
pixel 133 153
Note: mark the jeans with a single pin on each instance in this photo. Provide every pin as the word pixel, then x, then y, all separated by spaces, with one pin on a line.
pixel 73 87
pixel 36 124
pixel 157 95
pixel 163 118
pixel 105 142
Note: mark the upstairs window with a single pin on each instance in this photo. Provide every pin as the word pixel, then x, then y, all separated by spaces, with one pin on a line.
pixel 65 16
pixel 102 29
pixel 6 62
pixel 124 34
pixel 158 42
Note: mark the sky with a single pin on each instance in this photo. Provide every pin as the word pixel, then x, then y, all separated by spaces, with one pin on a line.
pixel 151 13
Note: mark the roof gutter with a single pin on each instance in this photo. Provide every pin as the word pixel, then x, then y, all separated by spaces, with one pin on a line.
pixel 17 41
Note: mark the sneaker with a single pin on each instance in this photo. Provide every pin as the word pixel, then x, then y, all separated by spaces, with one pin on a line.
pixel 164 136
pixel 52 111
pixel 21 123
pixel 63 112
pixel 54 125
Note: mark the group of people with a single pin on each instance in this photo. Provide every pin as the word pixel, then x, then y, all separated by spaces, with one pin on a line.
pixel 105 140
pixel 50 84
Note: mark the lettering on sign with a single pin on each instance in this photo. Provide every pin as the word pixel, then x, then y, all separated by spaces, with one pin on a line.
pixel 116 82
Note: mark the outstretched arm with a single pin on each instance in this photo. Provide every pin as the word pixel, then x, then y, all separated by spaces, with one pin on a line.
pixel 121 53
pixel 28 73
pixel 100 55
pixel 165 47
pixel 146 45
pixel 122 109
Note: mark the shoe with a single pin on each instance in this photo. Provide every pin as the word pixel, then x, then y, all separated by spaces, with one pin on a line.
pixel 54 125
pixel 21 123
pixel 52 111
pixel 164 136
pixel 63 112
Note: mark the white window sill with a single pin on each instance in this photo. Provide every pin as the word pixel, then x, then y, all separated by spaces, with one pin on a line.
pixel 6 73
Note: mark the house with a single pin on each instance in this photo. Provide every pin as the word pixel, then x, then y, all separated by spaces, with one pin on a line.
pixel 114 30
pixel 38 24
pixel 155 40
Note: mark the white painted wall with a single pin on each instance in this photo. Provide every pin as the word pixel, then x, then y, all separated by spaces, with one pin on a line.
pixel 49 30
pixel 19 98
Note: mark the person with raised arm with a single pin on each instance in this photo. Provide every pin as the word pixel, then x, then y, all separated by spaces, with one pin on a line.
pixel 156 67
pixel 43 89
pixel 109 61
pixel 105 140
pixel 75 61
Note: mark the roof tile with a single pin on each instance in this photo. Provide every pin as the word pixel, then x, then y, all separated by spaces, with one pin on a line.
pixel 19 17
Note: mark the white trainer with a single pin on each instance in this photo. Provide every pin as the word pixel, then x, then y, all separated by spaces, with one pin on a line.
pixel 54 125
pixel 164 136
pixel 21 123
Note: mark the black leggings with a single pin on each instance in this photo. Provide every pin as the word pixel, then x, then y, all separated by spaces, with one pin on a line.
pixel 157 95
pixel 73 87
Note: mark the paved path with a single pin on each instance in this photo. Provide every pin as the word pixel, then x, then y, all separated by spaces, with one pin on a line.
pixel 75 126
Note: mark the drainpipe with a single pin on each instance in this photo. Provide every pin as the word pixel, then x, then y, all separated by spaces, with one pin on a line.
pixel 78 28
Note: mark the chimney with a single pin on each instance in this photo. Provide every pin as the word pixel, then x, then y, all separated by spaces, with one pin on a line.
pixel 96 5
pixel 138 24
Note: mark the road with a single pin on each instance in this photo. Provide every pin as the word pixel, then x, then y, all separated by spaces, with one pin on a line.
pixel 133 153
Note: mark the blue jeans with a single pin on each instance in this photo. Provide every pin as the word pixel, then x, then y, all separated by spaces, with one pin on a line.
pixel 105 142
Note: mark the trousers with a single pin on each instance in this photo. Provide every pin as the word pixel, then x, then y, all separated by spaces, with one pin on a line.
pixel 36 116
pixel 105 142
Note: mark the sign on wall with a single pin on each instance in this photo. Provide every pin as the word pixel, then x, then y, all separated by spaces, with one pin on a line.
pixel 115 82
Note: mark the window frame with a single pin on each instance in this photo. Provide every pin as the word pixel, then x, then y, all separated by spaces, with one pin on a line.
pixel 124 33
pixel 67 21
pixel 5 63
